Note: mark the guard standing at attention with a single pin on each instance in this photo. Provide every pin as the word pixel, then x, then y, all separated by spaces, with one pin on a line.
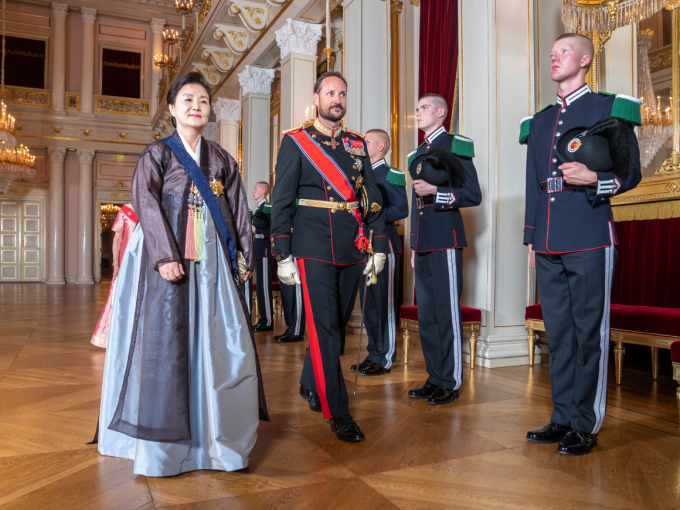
pixel 326 167
pixel 444 180
pixel 380 317
pixel 580 153
pixel 264 260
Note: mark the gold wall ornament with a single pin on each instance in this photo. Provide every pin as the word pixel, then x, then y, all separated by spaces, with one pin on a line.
pixel 87 132
pixel 255 18
pixel 157 136
pixel 672 5
pixel 188 41
pixel 203 13
pixel 341 42
pixel 415 2
pixel 121 105
pixel 122 135
pixel 18 127
pixel 660 59
pixel 395 9
pixel 72 101
pixel 56 130
pixel 29 97
pixel 672 164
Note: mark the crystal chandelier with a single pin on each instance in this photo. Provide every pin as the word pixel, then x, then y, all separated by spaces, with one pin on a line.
pixel 603 15
pixel 657 124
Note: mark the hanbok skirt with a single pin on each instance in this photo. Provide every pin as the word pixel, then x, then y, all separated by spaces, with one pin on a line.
pixel 223 380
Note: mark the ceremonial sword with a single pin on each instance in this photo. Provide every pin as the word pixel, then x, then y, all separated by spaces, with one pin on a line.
pixel 374 280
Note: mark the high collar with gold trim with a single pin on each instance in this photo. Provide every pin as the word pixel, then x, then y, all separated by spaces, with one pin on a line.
pixel 325 130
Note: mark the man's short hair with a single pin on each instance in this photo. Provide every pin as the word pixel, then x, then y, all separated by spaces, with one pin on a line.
pixel 264 184
pixel 382 136
pixel 438 101
pixel 584 42
pixel 330 74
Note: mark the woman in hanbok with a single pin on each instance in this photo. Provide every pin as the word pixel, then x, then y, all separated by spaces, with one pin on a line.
pixel 123 226
pixel 182 388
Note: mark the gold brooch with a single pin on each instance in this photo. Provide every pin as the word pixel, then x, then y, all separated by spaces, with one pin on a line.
pixel 217 188
pixel 375 207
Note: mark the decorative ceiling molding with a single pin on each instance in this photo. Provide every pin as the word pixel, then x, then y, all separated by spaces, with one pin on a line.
pixel 210 73
pixel 233 36
pixel 221 57
pixel 254 16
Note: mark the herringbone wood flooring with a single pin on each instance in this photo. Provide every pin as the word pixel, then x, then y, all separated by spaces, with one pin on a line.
pixel 469 455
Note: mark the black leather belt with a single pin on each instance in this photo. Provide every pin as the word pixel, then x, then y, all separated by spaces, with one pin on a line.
pixel 556 184
pixel 423 201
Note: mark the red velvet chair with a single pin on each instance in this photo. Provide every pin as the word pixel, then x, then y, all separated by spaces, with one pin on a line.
pixel 471 318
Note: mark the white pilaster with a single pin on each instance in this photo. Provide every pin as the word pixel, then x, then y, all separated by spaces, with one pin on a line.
pixel 85 217
pixel 59 12
pixel 256 91
pixel 228 114
pixel 55 220
pixel 87 66
pixel 297 41
pixel 497 90
pixel 366 62
pixel 157 26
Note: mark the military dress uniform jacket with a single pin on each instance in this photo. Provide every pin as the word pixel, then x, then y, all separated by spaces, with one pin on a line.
pixel 392 185
pixel 321 234
pixel 439 226
pixel 262 222
pixel 577 218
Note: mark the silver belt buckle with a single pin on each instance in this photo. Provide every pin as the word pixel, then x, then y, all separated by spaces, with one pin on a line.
pixel 419 203
pixel 554 184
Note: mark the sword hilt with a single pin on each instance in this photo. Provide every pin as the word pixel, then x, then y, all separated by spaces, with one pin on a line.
pixel 374 277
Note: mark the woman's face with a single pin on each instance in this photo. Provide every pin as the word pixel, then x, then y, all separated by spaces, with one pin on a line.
pixel 192 107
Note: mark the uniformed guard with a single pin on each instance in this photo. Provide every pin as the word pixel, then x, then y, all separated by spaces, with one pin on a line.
pixel 380 316
pixel 264 260
pixel 326 167
pixel 293 313
pixel 445 180
pixel 569 229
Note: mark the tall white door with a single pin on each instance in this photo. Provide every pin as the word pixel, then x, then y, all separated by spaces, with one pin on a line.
pixel 20 241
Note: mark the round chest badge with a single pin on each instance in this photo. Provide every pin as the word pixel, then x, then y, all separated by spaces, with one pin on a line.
pixel 418 169
pixel 574 145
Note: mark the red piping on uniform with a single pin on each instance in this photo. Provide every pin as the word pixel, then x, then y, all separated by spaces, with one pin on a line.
pixel 527 226
pixel 455 239
pixel 585 249
pixel 314 351
pixel 329 262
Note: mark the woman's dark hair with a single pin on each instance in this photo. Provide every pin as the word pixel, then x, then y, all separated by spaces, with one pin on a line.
pixel 180 82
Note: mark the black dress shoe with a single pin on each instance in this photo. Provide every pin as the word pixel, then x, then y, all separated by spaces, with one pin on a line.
pixel 550 433
pixel 262 327
pixel 277 337
pixel 289 339
pixel 346 429
pixel 362 366
pixel 312 398
pixel 577 442
pixel 425 391
pixel 443 395
pixel 374 369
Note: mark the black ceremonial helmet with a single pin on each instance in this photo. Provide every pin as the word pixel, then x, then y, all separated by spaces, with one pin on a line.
pixel 439 168
pixel 602 147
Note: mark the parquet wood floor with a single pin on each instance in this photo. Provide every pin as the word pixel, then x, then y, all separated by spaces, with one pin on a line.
pixel 468 455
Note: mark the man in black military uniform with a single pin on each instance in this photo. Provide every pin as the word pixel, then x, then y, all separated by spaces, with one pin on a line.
pixel 569 229
pixel 380 316
pixel 437 239
pixel 264 260
pixel 326 168
pixel 293 313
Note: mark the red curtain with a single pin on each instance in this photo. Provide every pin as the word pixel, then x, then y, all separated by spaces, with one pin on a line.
pixel 121 72
pixel 439 51
pixel 24 62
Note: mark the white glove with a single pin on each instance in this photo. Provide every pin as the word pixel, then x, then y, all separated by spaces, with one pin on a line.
pixel 376 260
pixel 288 273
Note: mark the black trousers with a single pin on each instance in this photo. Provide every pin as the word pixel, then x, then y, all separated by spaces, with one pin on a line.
pixel 293 309
pixel 265 302
pixel 330 292
pixel 439 284
pixel 248 291
pixel 575 290
pixel 380 317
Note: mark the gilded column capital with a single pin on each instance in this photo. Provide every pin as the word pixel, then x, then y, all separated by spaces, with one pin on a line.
pixel 60 11
pixel 298 37
pixel 86 157
pixel 57 154
pixel 415 2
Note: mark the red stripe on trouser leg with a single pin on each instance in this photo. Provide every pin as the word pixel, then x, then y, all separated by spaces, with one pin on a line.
pixel 314 350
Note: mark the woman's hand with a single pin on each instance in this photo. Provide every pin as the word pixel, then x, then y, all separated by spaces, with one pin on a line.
pixel 171 271
pixel 115 270
pixel 247 276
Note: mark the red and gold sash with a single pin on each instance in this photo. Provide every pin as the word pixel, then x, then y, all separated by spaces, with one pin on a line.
pixel 334 175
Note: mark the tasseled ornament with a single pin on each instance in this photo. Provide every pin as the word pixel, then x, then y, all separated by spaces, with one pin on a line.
pixel 200 234
pixel 190 242
pixel 361 241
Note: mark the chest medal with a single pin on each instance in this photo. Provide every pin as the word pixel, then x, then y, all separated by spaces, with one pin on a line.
pixel 354 147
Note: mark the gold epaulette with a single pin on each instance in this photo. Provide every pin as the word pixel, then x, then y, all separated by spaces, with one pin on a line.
pixel 293 130
pixel 355 133
pixel 307 124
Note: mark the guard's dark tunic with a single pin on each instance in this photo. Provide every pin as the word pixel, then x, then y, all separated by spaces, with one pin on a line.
pixel 573 233
pixel 264 262
pixel 323 242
